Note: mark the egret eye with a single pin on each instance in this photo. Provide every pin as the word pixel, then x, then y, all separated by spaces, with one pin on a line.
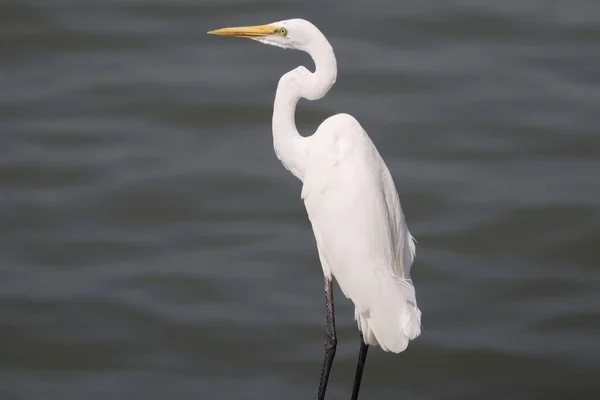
pixel 283 31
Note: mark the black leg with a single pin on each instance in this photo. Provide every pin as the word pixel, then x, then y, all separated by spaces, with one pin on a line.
pixel 362 357
pixel 330 341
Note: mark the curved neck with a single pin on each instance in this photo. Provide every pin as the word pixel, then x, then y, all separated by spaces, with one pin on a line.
pixel 290 147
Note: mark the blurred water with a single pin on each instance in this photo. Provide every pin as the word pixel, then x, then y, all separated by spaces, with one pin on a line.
pixel 153 246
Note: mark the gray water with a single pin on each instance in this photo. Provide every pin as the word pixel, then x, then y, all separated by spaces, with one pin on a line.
pixel 152 246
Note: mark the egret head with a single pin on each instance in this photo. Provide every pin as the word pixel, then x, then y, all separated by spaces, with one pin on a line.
pixel 296 33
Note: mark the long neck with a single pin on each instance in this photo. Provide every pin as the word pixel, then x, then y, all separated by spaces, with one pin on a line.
pixel 290 147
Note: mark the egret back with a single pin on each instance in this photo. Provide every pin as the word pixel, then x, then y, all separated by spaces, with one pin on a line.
pixel 361 233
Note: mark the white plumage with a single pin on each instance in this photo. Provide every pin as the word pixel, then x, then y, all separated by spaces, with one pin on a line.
pixel 361 233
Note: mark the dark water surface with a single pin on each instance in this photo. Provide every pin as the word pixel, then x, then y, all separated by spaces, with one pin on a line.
pixel 152 246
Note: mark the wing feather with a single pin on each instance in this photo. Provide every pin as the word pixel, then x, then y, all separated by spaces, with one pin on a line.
pixel 361 233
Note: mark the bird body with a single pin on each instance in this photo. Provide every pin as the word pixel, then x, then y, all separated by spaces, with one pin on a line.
pixel 360 230
pixel 350 197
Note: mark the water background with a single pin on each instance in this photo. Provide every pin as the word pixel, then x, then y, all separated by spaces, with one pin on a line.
pixel 152 246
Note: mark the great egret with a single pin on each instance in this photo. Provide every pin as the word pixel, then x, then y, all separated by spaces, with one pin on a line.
pixel 352 203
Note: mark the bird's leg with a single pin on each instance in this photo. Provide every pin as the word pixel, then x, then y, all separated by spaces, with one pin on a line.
pixel 330 341
pixel 362 357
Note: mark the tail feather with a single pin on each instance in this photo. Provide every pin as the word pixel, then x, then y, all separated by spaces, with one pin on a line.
pixel 393 319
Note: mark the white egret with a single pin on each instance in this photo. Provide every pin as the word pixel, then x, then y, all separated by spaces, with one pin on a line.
pixel 360 230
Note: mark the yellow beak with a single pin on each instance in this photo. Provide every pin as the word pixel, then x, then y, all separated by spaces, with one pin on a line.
pixel 249 32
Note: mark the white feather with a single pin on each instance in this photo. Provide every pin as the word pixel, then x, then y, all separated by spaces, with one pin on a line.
pixel 361 233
